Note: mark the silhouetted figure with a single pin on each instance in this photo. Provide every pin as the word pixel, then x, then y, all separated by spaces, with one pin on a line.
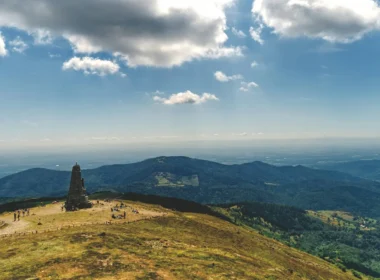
pixel 15 216
pixel 125 215
pixel 18 215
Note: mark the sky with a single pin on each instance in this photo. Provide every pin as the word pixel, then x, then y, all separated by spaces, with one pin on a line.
pixel 115 72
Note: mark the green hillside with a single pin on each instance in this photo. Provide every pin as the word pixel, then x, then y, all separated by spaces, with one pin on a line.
pixel 157 243
pixel 348 241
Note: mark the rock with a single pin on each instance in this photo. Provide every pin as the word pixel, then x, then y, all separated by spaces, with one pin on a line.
pixel 77 198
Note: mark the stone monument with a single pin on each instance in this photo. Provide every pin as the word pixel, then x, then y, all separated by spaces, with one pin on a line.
pixel 77 198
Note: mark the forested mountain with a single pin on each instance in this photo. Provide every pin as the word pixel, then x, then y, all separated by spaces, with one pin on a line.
pixel 369 169
pixel 210 182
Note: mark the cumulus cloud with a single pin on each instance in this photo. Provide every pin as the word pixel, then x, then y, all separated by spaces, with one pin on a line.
pixel 3 50
pixel 159 33
pixel 248 86
pixel 92 66
pixel 223 78
pixel 18 45
pixel 186 97
pixel 256 34
pixel 238 33
pixel 340 21
pixel 42 37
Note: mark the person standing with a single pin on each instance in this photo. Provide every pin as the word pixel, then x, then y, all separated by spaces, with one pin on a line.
pixel 14 216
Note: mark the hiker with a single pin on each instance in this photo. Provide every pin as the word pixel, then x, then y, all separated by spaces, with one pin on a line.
pixel 23 213
pixel 125 215
pixel 15 216
pixel 18 215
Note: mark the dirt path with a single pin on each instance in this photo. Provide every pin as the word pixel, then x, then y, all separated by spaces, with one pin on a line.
pixel 12 226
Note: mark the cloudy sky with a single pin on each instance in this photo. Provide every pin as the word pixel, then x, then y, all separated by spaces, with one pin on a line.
pixel 119 71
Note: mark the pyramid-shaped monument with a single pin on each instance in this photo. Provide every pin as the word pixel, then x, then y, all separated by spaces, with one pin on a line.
pixel 77 198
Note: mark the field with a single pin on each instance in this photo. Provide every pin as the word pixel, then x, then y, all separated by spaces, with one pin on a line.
pixel 157 243
pixel 344 220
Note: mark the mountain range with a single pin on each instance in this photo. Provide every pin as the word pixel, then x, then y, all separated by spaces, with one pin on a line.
pixel 210 182
pixel 369 169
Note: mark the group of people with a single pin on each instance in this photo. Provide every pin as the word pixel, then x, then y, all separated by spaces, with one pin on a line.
pixel 17 214
pixel 117 209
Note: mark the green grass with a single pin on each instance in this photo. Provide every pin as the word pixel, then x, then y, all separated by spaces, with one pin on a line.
pixel 176 246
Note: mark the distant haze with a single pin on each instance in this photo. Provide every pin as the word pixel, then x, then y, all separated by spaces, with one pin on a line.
pixel 315 152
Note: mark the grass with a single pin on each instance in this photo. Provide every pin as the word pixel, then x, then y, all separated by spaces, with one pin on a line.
pixel 170 180
pixel 174 246
pixel 344 219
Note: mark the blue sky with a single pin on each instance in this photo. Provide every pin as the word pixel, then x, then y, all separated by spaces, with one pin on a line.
pixel 292 76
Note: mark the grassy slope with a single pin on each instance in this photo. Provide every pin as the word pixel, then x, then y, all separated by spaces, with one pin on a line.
pixel 176 246
pixel 350 242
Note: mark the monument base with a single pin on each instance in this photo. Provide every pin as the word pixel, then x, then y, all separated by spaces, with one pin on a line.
pixel 75 203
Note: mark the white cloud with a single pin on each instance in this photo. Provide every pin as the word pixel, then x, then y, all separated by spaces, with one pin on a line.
pixel 158 33
pixel 42 37
pixel 254 64
pixel 340 21
pixel 92 66
pixel 18 45
pixel 256 34
pixel 223 78
pixel 186 97
pixel 3 50
pixel 238 33
pixel 247 86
